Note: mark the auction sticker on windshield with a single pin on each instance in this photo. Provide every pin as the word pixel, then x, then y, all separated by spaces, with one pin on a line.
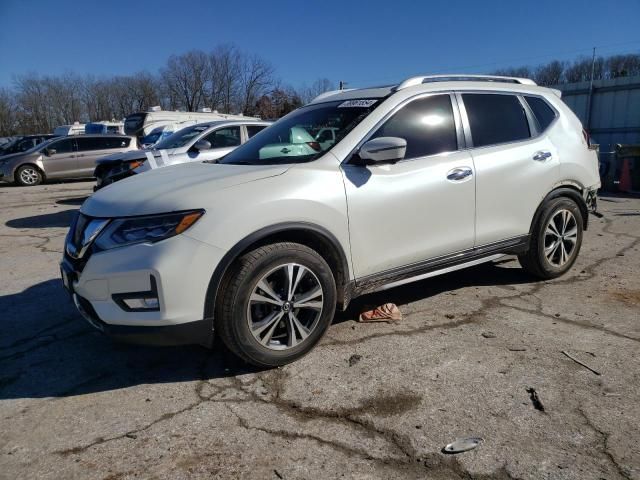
pixel 357 103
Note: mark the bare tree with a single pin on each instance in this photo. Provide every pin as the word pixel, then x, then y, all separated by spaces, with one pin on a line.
pixel 8 114
pixel 321 85
pixel 549 74
pixel 256 77
pixel 225 69
pixel 186 76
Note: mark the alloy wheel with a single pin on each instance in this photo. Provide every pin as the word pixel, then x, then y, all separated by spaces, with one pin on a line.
pixel 560 237
pixel 285 306
pixel 29 176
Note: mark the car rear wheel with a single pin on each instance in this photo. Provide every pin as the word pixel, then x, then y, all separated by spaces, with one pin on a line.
pixel 555 241
pixel 28 176
pixel 276 303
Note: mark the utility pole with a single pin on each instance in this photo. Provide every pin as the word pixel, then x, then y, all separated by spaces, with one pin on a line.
pixel 589 99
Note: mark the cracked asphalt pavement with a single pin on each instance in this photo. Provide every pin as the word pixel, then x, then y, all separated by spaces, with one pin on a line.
pixel 371 401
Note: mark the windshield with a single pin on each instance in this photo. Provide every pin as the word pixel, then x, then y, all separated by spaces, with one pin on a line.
pixel 181 137
pixel 300 136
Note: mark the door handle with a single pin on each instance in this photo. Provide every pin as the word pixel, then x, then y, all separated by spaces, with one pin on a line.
pixel 285 150
pixel 541 156
pixel 458 174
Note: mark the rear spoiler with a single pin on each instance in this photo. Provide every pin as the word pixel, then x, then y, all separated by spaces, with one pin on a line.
pixel 556 92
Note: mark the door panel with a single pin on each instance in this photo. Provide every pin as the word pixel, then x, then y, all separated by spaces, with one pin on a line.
pixel 421 207
pixel 515 166
pixel 510 185
pixel 408 212
pixel 63 163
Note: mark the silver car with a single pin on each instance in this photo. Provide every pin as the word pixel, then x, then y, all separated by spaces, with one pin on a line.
pixel 59 158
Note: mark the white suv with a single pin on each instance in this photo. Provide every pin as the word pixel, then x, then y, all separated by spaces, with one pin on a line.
pixel 425 177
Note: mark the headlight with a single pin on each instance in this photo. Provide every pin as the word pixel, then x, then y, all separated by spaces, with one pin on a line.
pixel 153 228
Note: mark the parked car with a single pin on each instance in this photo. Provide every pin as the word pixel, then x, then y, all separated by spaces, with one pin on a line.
pixel 76 128
pixel 140 124
pixel 59 158
pixel 204 141
pixel 24 143
pixel 425 177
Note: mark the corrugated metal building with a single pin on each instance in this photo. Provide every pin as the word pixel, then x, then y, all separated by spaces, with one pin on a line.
pixel 611 115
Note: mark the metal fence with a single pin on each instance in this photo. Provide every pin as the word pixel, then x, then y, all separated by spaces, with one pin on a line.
pixel 610 112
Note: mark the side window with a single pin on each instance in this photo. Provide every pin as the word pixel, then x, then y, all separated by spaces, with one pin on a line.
pixel 495 118
pixel 117 142
pixel 62 146
pixel 253 129
pixel 90 143
pixel 224 137
pixel 542 111
pixel 426 124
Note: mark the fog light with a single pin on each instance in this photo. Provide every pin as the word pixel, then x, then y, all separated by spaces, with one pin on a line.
pixel 142 303
pixel 139 301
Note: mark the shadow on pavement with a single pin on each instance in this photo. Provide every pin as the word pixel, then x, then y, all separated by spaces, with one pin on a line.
pixel 73 201
pixel 48 350
pixel 47 220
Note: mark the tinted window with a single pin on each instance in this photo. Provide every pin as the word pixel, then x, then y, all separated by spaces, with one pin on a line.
pixel 495 118
pixel 542 111
pixel 253 129
pixel 62 146
pixel 116 142
pixel 224 137
pixel 85 144
pixel 426 124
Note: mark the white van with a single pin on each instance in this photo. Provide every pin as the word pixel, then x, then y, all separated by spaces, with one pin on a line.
pixel 140 124
pixel 76 129
pixel 104 127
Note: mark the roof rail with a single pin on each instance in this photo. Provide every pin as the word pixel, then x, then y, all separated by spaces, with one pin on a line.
pixel 410 82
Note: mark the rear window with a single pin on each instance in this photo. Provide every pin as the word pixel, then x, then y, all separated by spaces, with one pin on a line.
pixel 495 118
pixel 542 111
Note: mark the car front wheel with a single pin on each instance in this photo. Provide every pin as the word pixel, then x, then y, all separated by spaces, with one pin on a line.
pixel 28 176
pixel 276 303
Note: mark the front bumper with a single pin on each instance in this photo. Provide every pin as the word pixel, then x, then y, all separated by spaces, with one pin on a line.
pixel 189 333
pixel 177 270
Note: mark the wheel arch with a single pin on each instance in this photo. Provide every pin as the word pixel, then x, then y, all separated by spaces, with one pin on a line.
pixel 313 236
pixel 29 164
pixel 571 191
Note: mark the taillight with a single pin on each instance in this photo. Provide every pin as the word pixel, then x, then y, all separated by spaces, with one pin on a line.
pixel 315 145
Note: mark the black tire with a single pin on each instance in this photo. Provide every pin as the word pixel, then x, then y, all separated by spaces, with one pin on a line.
pixel 28 176
pixel 535 261
pixel 232 317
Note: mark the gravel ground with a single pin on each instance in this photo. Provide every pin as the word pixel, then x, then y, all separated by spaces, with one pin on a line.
pixel 371 401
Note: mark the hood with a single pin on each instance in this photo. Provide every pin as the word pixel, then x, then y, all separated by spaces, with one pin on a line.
pixel 134 155
pixel 175 188
pixel 11 156
pixel 122 157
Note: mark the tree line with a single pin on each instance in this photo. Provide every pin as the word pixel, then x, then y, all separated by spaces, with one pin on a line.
pixel 557 72
pixel 226 79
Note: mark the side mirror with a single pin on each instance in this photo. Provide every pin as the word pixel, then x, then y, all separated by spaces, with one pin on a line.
pixel 383 149
pixel 49 151
pixel 201 145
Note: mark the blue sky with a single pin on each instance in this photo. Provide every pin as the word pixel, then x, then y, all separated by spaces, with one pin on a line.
pixel 363 43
